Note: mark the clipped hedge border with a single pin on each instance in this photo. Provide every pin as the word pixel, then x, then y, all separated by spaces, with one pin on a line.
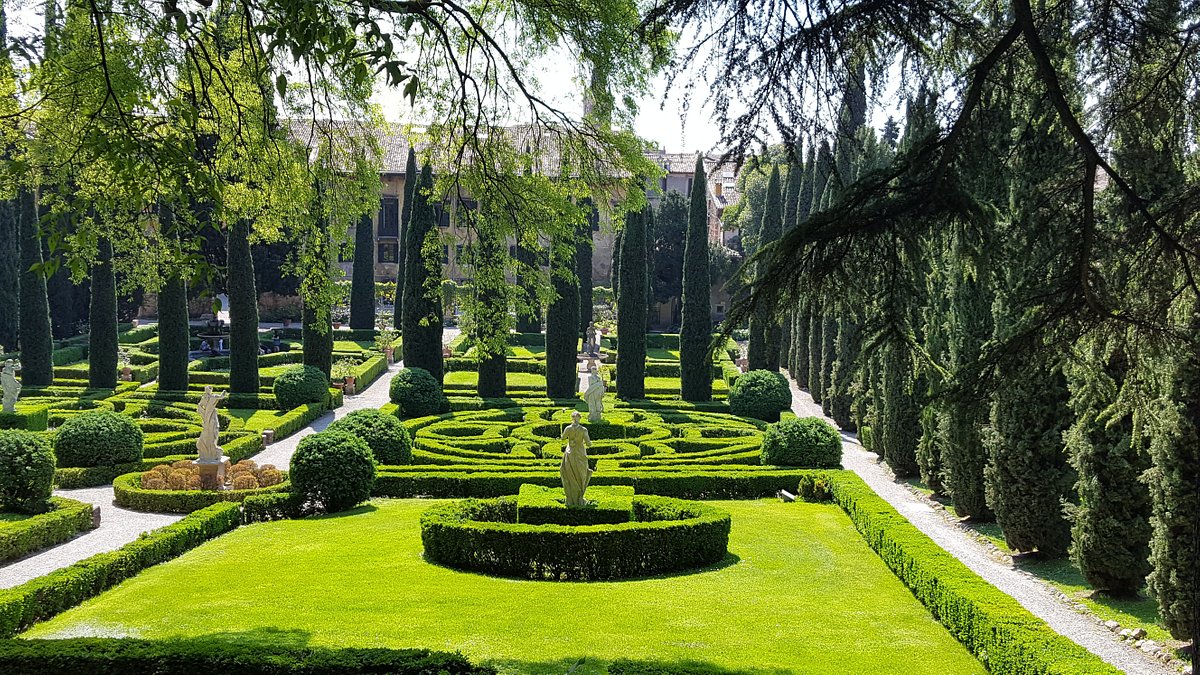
pixel 1002 634
pixel 30 418
pixel 44 597
pixel 66 519
pixel 667 535
pixel 113 656
pixel 128 493
pixel 682 484
pixel 369 370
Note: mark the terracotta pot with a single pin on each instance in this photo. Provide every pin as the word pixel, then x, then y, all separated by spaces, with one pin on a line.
pixel 390 353
pixel 337 325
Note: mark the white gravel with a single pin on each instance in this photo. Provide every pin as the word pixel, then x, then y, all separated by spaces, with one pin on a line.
pixel 1033 594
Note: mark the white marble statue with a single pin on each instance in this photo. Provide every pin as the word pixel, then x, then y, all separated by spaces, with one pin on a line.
pixel 575 471
pixel 210 427
pixel 594 394
pixel 10 384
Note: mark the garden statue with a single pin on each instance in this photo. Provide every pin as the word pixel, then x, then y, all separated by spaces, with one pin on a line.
pixel 211 458
pixel 575 471
pixel 594 394
pixel 592 348
pixel 10 384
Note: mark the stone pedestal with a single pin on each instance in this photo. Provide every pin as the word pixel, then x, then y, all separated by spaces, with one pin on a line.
pixel 212 472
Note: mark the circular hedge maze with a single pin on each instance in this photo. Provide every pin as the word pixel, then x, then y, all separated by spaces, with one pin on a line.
pixel 625 438
pixel 535 536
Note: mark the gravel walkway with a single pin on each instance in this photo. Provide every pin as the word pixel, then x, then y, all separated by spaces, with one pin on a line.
pixel 117 527
pixel 1033 594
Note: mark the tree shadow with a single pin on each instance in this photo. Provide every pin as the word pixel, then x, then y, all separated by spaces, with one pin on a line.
pixel 729 560
pixel 585 665
pixel 358 510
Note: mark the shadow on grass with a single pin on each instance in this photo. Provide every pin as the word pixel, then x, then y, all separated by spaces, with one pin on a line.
pixel 358 510
pixel 283 638
pixel 591 666
pixel 729 560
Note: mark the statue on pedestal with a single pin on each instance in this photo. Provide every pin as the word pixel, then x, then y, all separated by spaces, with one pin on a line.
pixel 10 384
pixel 574 470
pixel 594 394
pixel 212 459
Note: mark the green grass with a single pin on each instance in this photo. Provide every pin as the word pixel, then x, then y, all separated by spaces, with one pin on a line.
pixel 804 593
pixel 469 378
pixel 353 346
pixel 655 354
pixel 258 420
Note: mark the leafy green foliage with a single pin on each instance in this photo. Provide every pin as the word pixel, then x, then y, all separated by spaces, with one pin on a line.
pixel 387 437
pixel 102 334
pixel 808 442
pixel 762 394
pixel 26 472
pixel 417 393
pixel 98 438
pixel 173 335
pixel 300 384
pixel 334 469
pixel 764 327
pixel 422 305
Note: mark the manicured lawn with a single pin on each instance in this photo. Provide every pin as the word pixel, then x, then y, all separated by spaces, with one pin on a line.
pixel 258 420
pixel 804 594
pixel 461 379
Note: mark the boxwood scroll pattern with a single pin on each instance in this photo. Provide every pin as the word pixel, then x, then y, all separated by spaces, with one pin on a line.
pixel 666 535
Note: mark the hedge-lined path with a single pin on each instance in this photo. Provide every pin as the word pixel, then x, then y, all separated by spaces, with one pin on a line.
pixel 118 527
pixel 1033 594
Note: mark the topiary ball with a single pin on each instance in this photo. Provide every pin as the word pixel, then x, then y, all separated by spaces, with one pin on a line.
pixel 389 440
pixel 300 385
pixel 417 393
pixel 26 472
pixel 333 469
pixel 810 443
pixel 99 438
pixel 761 394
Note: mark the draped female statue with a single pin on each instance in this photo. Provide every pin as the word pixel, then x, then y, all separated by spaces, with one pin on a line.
pixel 574 470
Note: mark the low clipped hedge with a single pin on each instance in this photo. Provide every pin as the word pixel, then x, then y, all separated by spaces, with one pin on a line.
pixel 417 393
pixel 1002 634
pixel 667 535
pixel 46 596
pixel 29 418
pixel 300 384
pixel 809 442
pixel 111 656
pixel 65 519
pixel 389 441
pixel 333 469
pixel 98 438
pixel 760 393
pixel 128 493
pixel 26 472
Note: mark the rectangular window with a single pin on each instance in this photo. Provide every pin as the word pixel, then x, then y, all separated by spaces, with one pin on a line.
pixel 445 254
pixel 389 217
pixel 594 219
pixel 720 309
pixel 512 251
pixel 458 250
pixel 388 250
pixel 469 204
pixel 443 214
pixel 689 187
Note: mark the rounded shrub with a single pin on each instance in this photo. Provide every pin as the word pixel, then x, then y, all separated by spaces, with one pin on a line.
pixel 333 469
pixel 26 472
pixel 389 440
pixel 299 385
pixel 810 443
pixel 99 438
pixel 761 394
pixel 417 393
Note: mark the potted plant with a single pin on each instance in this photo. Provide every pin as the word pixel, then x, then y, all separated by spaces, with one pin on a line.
pixel 126 369
pixel 384 341
pixel 343 373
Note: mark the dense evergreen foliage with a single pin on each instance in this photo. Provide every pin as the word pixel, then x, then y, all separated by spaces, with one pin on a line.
pixel 583 264
pixel 243 312
pixel 174 332
pixel 362 280
pixel 36 342
pixel 102 337
pixel 10 275
pixel 631 309
pixel 317 337
pixel 300 385
pixel 492 319
pixel 562 322
pixel 528 304
pixel 411 178
pixel 422 326
pixel 763 352
pixel 695 333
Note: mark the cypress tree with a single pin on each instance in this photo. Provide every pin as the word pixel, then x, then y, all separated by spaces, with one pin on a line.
pixel 764 327
pixel 583 265
pixel 422 326
pixel 615 273
pixel 410 184
pixel 840 396
pixel 631 309
pixel 492 320
pixel 362 281
pixel 650 249
pixel 318 341
pixel 815 335
pixel 695 363
pixel 243 312
pixel 529 307
pixel 562 322
pixel 102 336
pixel 37 346
pixel 790 220
pixel 899 427
pixel 803 316
pixel 1110 534
pixel 10 276
pixel 174 334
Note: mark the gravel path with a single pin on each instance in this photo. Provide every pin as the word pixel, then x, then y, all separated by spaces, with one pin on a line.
pixel 117 527
pixel 1031 593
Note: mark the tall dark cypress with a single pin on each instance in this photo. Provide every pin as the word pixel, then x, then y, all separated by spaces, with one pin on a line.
pixel 411 178
pixel 10 239
pixel 243 312
pixel 695 333
pixel 102 337
pixel 764 327
pixel 791 219
pixel 362 281
pixel 631 309
pixel 529 307
pixel 651 246
pixel 615 272
pixel 816 325
pixel 174 334
pixel 422 327
pixel 492 321
pixel 583 265
pixel 317 337
pixel 562 322
pixel 37 345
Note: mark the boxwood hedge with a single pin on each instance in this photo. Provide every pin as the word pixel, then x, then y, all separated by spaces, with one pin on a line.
pixel 128 493
pixel 64 520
